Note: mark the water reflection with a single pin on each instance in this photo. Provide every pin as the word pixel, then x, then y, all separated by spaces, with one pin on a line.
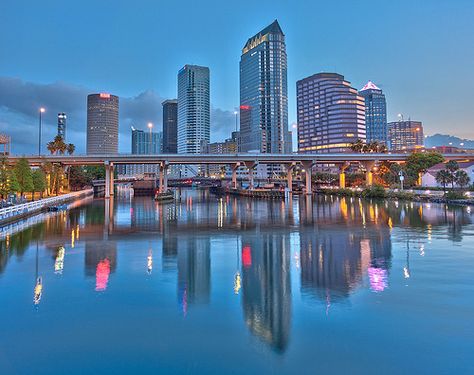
pixel 337 245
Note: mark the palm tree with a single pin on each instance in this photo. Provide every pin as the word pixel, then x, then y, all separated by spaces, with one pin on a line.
pixel 462 178
pixel 357 146
pixel 443 177
pixel 71 148
pixel 452 167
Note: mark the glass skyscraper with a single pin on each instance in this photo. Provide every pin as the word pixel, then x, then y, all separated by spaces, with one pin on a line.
pixel 146 143
pixel 193 108
pixel 264 93
pixel 405 135
pixel 375 113
pixel 102 123
pixel 331 114
pixel 170 126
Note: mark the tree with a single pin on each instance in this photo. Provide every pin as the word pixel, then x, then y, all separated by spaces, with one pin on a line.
pixel 452 167
pixel 95 172
pixel 462 178
pixel 419 162
pixel 357 146
pixel 77 178
pixel 71 148
pixel 4 177
pixel 39 182
pixel 443 177
pixel 22 172
pixel 13 184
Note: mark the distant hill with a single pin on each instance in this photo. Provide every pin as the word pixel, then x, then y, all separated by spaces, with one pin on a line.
pixel 444 140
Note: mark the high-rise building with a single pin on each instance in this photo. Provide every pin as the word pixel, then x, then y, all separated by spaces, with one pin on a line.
pixel 331 114
pixel 405 135
pixel 146 142
pixel 375 113
pixel 143 143
pixel 62 125
pixel 193 108
pixel 102 123
pixel 170 126
pixel 264 93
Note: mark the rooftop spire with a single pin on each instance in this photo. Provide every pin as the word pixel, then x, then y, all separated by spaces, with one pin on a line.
pixel 370 86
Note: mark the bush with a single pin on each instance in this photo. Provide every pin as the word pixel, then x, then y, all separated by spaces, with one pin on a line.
pixel 402 195
pixel 375 191
pixel 453 195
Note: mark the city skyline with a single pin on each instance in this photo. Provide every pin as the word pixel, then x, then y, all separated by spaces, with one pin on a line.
pixel 144 81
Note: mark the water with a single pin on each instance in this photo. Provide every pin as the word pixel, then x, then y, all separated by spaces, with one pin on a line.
pixel 237 286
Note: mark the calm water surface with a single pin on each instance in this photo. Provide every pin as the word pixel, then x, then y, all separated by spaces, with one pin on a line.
pixel 235 286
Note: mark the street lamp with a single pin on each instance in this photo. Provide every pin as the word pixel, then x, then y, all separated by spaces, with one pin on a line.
pixel 41 111
pixel 150 126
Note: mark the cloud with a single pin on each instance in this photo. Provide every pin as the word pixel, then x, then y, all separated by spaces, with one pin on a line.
pixel 20 101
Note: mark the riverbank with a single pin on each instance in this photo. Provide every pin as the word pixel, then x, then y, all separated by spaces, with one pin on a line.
pixel 410 195
pixel 11 214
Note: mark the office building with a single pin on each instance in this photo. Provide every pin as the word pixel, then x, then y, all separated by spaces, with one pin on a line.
pixel 264 93
pixel 375 113
pixel 405 135
pixel 102 123
pixel 170 126
pixel 331 114
pixel 143 143
pixel 193 108
pixel 62 125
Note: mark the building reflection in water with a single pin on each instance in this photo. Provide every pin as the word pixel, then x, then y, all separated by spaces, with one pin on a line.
pixel 266 287
pixel 194 271
pixel 100 261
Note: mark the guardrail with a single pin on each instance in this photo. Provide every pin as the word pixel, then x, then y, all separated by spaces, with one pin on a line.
pixel 25 208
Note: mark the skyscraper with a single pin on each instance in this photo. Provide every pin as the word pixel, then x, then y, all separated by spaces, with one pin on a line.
pixel 62 125
pixel 375 113
pixel 331 114
pixel 264 93
pixel 193 108
pixel 146 143
pixel 170 126
pixel 102 123
pixel 405 135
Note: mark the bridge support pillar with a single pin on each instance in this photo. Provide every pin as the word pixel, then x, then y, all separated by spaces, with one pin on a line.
pixel 251 166
pixel 107 180
pixel 163 177
pixel 342 175
pixel 369 176
pixel 234 168
pixel 308 166
pixel 112 179
pixel 289 175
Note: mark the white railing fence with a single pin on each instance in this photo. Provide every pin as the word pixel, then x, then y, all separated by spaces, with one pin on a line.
pixel 24 208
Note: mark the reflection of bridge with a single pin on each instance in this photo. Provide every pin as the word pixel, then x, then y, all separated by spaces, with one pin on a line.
pixel 248 160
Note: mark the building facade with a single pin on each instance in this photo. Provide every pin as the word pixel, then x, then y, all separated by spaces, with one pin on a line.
pixel 146 142
pixel 264 93
pixel 331 114
pixel 375 113
pixel 170 126
pixel 405 135
pixel 62 125
pixel 193 108
pixel 102 123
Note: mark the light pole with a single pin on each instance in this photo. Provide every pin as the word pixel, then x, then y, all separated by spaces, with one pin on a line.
pixel 41 111
pixel 402 177
pixel 150 126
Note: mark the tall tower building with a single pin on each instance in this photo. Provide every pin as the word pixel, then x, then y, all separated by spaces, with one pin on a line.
pixel 170 126
pixel 331 114
pixel 264 93
pixel 62 125
pixel 405 135
pixel 193 108
pixel 102 123
pixel 146 143
pixel 375 113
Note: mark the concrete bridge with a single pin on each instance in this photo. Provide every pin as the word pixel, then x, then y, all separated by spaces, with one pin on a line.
pixel 248 160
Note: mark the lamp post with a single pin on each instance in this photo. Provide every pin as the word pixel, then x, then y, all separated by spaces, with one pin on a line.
pixel 41 111
pixel 150 126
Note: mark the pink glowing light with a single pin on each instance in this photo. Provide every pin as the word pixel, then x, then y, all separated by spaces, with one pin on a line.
pixel 102 275
pixel 246 256
pixel 378 279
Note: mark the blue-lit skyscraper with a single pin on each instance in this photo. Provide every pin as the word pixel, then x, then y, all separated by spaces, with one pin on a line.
pixel 375 113
pixel 193 109
pixel 264 93
pixel 146 143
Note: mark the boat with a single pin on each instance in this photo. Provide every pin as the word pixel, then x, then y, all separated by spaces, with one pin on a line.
pixel 167 196
pixel 59 207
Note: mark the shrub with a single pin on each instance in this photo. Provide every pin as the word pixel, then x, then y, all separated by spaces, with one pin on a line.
pixel 375 191
pixel 454 195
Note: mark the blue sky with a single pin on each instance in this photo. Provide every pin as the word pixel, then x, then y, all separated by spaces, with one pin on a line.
pixel 52 53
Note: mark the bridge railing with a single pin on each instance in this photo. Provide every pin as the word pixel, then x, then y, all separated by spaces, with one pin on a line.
pixel 24 208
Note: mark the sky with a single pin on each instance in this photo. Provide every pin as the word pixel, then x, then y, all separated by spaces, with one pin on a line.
pixel 53 53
